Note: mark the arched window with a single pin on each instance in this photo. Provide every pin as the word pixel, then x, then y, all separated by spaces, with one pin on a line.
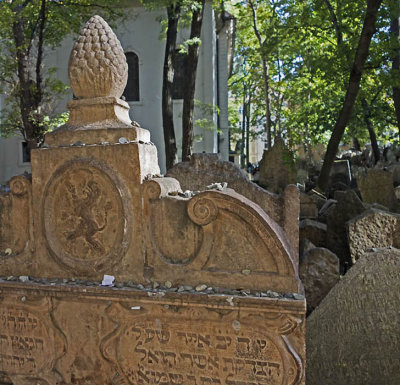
pixel 131 92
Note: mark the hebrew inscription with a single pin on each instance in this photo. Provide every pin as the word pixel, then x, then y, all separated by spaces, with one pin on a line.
pixel 23 341
pixel 83 215
pixel 148 354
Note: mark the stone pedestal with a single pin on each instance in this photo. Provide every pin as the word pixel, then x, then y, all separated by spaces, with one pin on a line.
pixel 206 285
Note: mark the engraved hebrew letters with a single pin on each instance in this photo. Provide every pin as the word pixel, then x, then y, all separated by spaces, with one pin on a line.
pixel 149 353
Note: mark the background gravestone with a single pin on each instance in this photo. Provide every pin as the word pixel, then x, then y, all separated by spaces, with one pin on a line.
pixel 352 337
pixel 373 228
pixel 377 187
pixel 277 168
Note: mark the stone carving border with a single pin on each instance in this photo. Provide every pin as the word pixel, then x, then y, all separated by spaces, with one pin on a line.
pixel 276 327
pixel 203 209
pixel 21 187
pixel 53 343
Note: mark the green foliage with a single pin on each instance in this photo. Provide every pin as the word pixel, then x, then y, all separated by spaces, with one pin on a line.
pixel 309 59
pixel 59 19
pixel 205 110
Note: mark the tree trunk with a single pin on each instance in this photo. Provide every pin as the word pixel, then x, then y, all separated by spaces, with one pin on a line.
pixel 190 84
pixel 265 67
pixel 352 90
pixel 26 99
pixel 30 91
pixel 267 104
pixel 168 80
pixel 248 108
pixel 356 144
pixel 243 144
pixel 372 135
pixel 394 29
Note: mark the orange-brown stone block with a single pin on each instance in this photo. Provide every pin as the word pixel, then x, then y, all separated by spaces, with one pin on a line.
pixel 67 334
pixel 206 290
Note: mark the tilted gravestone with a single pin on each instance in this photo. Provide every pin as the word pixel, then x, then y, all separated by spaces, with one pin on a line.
pixel 206 287
pixel 352 336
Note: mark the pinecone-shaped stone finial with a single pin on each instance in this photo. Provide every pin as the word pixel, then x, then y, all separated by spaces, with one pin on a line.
pixel 97 65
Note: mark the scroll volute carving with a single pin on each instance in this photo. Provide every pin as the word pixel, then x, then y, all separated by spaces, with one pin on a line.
pixel 16 231
pixel 214 237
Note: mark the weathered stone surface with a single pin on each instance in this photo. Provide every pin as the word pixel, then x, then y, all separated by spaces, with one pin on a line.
pixel 308 207
pixel 212 227
pixel 397 192
pixel 98 73
pixel 377 186
pixel 277 169
pixel 205 169
pixel 203 287
pixel 348 207
pixel 395 170
pixel 16 227
pixel 97 66
pixel 314 231
pixel 373 228
pixel 83 334
pixel 352 337
pixel 304 246
pixel 324 210
pixel 319 272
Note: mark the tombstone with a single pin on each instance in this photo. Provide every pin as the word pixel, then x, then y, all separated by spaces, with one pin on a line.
pixel 204 170
pixel 277 168
pixel 308 207
pixel 395 170
pixel 314 231
pixel 341 172
pixel 340 175
pixel 196 290
pixel 377 186
pixel 352 336
pixel 319 272
pixel 373 228
pixel 347 207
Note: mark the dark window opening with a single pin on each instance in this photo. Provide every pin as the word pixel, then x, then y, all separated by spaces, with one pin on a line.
pixel 26 155
pixel 179 75
pixel 131 92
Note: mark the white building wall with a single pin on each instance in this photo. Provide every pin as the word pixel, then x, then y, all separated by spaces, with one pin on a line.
pixel 223 92
pixel 11 161
pixel 140 33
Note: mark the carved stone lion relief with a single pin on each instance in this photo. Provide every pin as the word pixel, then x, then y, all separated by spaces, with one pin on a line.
pixel 85 216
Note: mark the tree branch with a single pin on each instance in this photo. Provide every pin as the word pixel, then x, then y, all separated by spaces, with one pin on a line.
pixel 339 36
pixel 39 59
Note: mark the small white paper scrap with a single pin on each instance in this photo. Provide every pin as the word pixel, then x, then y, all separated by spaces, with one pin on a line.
pixel 108 280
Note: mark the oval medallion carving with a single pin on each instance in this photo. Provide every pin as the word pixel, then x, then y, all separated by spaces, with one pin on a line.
pixel 85 221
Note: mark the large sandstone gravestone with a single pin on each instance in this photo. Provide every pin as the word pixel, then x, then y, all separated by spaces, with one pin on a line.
pixel 353 336
pixel 207 289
